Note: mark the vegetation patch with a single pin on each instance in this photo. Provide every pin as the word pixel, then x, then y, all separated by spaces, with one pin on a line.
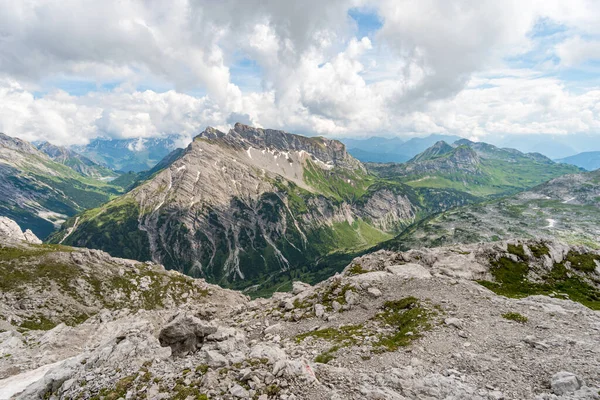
pixel 583 262
pixel 357 269
pixel 335 292
pixel 514 316
pixel 511 281
pixel 409 319
pixel 539 250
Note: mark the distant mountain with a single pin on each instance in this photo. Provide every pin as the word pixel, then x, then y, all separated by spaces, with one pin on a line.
pixel 376 149
pixel 565 208
pixel 554 146
pixel 589 160
pixel 40 193
pixel 76 161
pixel 251 206
pixel 480 169
pixel 128 154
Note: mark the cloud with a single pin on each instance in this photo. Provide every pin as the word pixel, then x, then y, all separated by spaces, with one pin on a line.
pixel 167 67
pixel 575 51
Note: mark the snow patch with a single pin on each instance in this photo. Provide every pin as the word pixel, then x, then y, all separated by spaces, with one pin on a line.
pixel 181 168
pixel 551 223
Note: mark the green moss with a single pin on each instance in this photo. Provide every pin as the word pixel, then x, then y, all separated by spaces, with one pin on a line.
pixel 517 250
pixel 408 318
pixel 514 316
pixel 357 269
pixel 327 356
pixel 346 335
pixel 539 250
pixel 511 281
pixel 120 390
pixel 335 292
pixel 203 368
pixel 39 323
pixel 583 262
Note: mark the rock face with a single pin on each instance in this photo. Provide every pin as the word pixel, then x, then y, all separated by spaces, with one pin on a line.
pixel 9 228
pixel 370 332
pixel 239 206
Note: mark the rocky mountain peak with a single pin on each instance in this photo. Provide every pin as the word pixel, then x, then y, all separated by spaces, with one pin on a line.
pixel 438 149
pixel 17 144
pixel 328 151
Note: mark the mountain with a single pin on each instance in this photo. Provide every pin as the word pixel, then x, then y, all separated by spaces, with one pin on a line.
pixel 128 155
pixel 590 160
pixel 476 168
pixel 438 323
pixel 566 208
pixel 243 206
pixel 40 193
pixel 76 161
pixel 376 149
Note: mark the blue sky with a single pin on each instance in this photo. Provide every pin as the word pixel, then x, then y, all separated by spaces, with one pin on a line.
pixel 351 68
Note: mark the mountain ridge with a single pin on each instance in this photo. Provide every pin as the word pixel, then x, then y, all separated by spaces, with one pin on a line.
pixel 238 206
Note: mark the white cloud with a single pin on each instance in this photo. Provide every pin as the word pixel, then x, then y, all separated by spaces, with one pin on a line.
pixel 434 66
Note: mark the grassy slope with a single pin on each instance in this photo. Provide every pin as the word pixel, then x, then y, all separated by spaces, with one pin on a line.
pixel 498 177
pixel 63 191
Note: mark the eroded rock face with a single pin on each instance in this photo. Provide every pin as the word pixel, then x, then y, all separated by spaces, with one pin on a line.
pixel 9 228
pixel 185 334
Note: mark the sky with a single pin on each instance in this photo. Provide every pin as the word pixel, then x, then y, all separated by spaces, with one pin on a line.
pixel 72 70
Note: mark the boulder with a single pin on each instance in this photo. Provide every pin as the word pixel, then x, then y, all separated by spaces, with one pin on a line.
pixel 564 382
pixel 185 334
pixel 319 310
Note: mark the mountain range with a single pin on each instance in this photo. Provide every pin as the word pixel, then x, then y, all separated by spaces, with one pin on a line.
pixel 240 207
pixel 589 160
pixel 128 155
pixel 476 168
pixel 41 193
pixel 383 150
pixel 465 272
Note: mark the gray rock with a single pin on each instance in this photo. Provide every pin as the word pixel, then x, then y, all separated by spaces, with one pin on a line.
pixel 319 310
pixel 239 392
pixel 185 334
pixel 455 322
pixel 273 328
pixel 373 291
pixel 299 287
pixel 214 359
pixel 565 382
pixel 336 306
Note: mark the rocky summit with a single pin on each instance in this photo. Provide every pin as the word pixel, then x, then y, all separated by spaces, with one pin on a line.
pixel 245 207
pixel 508 320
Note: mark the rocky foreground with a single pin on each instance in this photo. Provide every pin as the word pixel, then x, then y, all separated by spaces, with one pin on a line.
pixel 424 324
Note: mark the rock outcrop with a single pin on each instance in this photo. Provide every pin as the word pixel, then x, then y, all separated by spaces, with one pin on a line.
pixel 423 324
pixel 9 228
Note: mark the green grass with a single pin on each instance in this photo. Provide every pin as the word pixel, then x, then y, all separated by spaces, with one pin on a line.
pixel 514 316
pixel 408 317
pixel 357 269
pixel 583 262
pixel 511 280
